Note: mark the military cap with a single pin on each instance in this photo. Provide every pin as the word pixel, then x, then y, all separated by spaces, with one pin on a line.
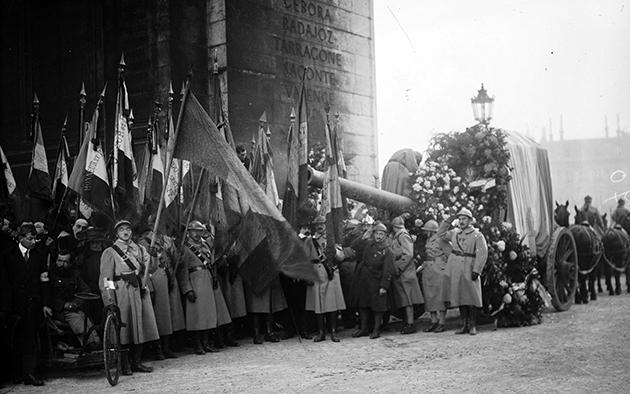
pixel 196 225
pixel 123 222
pixel 319 220
pixel 430 225
pixel 379 227
pixel 465 212
pixel 398 222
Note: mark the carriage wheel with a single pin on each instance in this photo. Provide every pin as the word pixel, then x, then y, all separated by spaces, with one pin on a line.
pixel 111 349
pixel 562 269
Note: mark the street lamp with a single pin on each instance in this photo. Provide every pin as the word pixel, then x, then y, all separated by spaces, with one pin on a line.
pixel 482 106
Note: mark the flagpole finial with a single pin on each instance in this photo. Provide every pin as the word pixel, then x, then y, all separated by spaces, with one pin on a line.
pixel 292 116
pixel 82 92
pixel 268 133
pixel 215 67
pixel 122 63
pixel 263 117
pixel 101 97
pixel 327 108
pixel 130 118
pixel 35 99
pixel 170 88
pixel 183 89
pixel 337 115
pixel 65 125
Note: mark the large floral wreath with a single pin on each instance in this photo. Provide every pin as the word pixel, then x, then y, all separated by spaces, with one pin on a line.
pixel 471 169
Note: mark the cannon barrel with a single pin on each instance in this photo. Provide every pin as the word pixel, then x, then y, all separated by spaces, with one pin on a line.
pixel 382 199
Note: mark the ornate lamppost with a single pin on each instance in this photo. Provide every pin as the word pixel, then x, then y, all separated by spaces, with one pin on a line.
pixel 482 106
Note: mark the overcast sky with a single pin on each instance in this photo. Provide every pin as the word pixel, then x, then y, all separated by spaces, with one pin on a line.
pixel 540 59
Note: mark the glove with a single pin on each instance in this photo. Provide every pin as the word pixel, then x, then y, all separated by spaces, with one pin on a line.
pixel 382 291
pixel 474 276
pixel 191 296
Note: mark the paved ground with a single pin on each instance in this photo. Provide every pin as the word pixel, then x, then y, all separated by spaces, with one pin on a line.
pixel 586 349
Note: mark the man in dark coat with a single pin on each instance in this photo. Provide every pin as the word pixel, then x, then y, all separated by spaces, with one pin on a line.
pixel 27 274
pixel 374 272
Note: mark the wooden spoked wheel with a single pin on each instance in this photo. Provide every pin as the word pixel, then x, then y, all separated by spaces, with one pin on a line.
pixel 111 348
pixel 562 269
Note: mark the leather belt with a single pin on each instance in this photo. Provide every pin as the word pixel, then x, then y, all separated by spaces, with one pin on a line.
pixel 197 268
pixel 463 254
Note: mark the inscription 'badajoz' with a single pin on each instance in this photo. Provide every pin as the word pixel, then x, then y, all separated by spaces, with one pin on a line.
pixel 305 29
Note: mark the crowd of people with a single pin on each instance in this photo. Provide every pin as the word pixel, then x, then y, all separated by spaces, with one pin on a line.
pixel 175 295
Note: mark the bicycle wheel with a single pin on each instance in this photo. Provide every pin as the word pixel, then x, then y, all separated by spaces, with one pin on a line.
pixel 111 349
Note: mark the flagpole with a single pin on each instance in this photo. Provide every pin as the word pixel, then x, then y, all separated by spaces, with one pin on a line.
pixel 192 206
pixel 169 155
pixel 82 101
pixel 65 192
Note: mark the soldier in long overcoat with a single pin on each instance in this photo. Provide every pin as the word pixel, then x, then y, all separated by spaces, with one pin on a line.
pixel 123 287
pixel 324 298
pixel 463 268
pixel 375 269
pixel 196 282
pixel 433 269
pixel 406 288
pixel 159 277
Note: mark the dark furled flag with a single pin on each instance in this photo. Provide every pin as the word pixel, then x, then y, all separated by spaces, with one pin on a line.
pixel 290 198
pixel 124 173
pixel 264 231
pixel 60 182
pixel 39 177
pixel 89 173
pixel 332 205
pixel 302 148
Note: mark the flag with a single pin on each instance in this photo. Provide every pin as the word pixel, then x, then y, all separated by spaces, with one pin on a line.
pixel 332 205
pixel 124 174
pixel 157 176
pixel 264 231
pixel 290 198
pixel 262 164
pixel 39 177
pixel 7 185
pixel 60 182
pixel 302 148
pixel 89 173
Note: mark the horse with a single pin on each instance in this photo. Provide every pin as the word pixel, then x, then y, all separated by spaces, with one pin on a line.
pixel 590 249
pixel 616 257
pixel 561 214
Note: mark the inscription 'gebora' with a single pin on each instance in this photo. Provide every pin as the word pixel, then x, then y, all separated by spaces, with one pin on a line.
pixel 309 8
pixel 307 30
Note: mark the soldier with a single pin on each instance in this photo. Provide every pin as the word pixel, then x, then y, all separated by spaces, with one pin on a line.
pixel 224 321
pixel 61 300
pixel 591 214
pixel 159 277
pixel 27 276
pixel 407 291
pixel 463 268
pixel 196 283
pixel 433 268
pixel 124 289
pixel 172 261
pixel 621 212
pixel 375 268
pixel 231 284
pixel 326 296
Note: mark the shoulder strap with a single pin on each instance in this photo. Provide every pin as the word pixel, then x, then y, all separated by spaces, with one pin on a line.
pixel 196 252
pixel 125 258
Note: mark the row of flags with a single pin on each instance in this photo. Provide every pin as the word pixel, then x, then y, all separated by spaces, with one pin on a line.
pixel 243 205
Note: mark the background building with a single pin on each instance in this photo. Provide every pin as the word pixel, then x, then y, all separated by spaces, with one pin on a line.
pixel 597 167
pixel 51 47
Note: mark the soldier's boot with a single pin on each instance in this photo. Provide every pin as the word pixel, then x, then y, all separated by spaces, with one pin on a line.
pixel 219 333
pixel 441 322
pixel 378 321
pixel 303 330
pixel 229 336
pixel 258 338
pixel 472 313
pixel 271 335
pixel 166 347
pixel 206 344
pixel 332 317
pixel 198 345
pixel 321 334
pixel 363 328
pixel 124 362
pixel 463 311
pixel 136 360
pixel 159 354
